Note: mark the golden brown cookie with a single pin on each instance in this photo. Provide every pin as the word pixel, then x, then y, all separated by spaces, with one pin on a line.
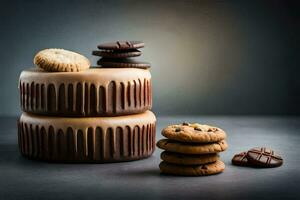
pixel 60 60
pixel 185 159
pixel 190 148
pixel 197 133
pixel 194 170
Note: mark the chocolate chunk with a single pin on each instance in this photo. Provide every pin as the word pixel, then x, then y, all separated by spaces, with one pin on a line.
pixel 185 124
pixel 117 53
pixel 203 167
pixel 240 159
pixel 122 63
pixel 197 129
pixel 177 129
pixel 121 45
pixel 263 157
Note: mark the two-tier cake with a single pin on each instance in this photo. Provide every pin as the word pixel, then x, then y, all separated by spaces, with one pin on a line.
pixel 90 115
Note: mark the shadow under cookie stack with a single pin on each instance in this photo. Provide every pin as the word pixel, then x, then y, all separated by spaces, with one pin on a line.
pixel 74 113
pixel 192 150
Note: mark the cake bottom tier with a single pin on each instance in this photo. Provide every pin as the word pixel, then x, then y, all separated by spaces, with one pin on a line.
pixel 92 139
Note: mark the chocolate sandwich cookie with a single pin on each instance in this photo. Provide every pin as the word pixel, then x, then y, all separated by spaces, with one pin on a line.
pixel 194 133
pixel 121 45
pixel 187 159
pixel 191 148
pixel 122 63
pixel 89 93
pixel 194 170
pixel 117 53
pixel 91 139
pixel 263 157
pixel 240 159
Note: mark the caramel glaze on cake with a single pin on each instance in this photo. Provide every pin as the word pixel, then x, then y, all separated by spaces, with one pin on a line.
pixel 88 139
pixel 94 92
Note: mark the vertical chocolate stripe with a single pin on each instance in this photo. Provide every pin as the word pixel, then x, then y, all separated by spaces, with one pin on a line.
pixel 97 143
pixel 44 143
pixel 86 98
pixel 122 95
pixel 93 105
pixel 51 98
pixel 50 142
pixel 80 145
pixel 43 104
pixel 102 100
pixel 61 99
pixel 70 101
pixel 128 94
pixel 145 92
pixel 79 97
pixel 61 145
pixel 26 96
pixel 32 96
pixel 135 93
pixel 70 144
pixel 37 96
pixel 30 144
pixel 90 143
pixel 140 92
pixel 126 139
pixel 119 142
pixel 112 97
pixel 38 141
pixel 110 141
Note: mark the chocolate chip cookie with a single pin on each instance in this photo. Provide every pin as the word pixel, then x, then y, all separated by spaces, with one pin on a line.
pixel 186 159
pixel 190 148
pixel 194 133
pixel 192 170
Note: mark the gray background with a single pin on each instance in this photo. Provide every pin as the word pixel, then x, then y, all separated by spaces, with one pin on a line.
pixel 208 57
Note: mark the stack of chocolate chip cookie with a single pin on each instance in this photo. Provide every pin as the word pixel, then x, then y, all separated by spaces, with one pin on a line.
pixel 119 54
pixel 192 149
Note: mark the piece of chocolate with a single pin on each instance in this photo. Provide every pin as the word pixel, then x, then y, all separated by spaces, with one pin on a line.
pixel 240 159
pixel 117 53
pixel 122 63
pixel 118 45
pixel 263 157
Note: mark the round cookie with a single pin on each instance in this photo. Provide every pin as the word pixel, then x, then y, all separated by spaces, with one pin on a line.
pixel 60 60
pixel 117 53
pixel 87 139
pixel 196 133
pixel 123 63
pixel 190 148
pixel 185 159
pixel 121 45
pixel 263 157
pixel 195 170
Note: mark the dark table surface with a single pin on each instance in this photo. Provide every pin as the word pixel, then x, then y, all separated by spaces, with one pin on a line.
pixel 25 179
